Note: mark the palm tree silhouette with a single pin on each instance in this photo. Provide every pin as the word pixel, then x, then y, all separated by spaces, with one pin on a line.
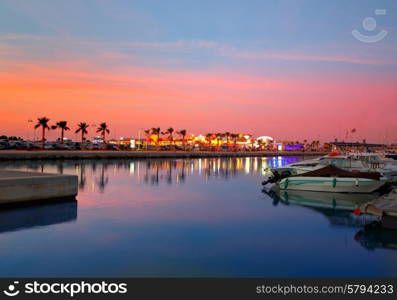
pixel 156 131
pixel 82 126
pixel 227 135
pixel 219 137
pixel 208 137
pixel 63 125
pixel 43 123
pixel 103 129
pixel 170 132
pixel 182 133
pixel 234 137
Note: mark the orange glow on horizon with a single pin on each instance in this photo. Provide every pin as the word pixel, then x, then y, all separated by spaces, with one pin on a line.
pixel 130 98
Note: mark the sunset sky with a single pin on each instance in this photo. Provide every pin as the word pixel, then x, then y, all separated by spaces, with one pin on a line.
pixel 288 69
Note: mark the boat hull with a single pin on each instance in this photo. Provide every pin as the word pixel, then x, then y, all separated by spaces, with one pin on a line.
pixel 331 184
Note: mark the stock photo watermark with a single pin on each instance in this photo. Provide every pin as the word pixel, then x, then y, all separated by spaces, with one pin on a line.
pixel 369 24
pixel 69 288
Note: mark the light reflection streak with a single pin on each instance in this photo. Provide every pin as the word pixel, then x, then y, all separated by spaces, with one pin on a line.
pixel 154 172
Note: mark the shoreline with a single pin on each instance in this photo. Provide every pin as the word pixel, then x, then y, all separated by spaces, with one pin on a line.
pixel 98 154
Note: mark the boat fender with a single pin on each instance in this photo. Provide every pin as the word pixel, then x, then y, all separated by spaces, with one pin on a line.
pixel 357 211
pixel 334 182
pixel 356 181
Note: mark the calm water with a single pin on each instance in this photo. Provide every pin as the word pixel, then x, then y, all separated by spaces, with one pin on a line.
pixel 196 217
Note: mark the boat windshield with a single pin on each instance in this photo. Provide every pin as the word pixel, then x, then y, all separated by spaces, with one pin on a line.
pixel 370 159
pixel 337 162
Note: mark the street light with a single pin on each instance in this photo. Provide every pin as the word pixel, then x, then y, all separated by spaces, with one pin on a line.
pixel 27 135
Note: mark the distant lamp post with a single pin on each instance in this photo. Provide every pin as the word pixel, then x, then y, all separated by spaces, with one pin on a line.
pixel 27 135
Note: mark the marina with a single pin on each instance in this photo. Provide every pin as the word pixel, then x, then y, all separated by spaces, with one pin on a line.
pixel 356 177
pixel 192 218
pixel 163 149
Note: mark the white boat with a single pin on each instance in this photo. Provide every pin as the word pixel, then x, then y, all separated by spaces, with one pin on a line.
pixel 331 184
pixel 363 162
pixel 375 162
pixel 334 180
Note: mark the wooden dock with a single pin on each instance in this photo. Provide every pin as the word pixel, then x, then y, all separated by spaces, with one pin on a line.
pixel 384 207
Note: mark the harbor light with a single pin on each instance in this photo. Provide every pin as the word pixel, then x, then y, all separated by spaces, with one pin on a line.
pixel 132 144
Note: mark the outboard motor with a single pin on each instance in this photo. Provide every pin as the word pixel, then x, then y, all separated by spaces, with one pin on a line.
pixel 276 177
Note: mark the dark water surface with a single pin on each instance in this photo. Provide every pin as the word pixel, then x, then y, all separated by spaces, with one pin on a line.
pixel 184 218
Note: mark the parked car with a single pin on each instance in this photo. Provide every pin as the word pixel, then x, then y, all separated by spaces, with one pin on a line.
pixel 111 147
pixel 93 147
pixel 73 146
pixel 50 146
pixel 59 146
pixel 4 145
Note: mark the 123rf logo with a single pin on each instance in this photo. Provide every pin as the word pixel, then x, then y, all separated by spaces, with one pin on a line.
pixel 71 289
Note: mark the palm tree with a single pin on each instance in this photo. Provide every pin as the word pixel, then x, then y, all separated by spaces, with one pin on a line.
pixel 219 137
pixel 63 125
pixel 43 123
pixel 227 135
pixel 170 131
pixel 147 133
pixel 156 131
pixel 208 137
pixel 234 137
pixel 103 129
pixel 182 133
pixel 82 126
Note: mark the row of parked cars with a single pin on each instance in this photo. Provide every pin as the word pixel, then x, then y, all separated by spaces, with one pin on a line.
pixel 27 145
pixel 19 145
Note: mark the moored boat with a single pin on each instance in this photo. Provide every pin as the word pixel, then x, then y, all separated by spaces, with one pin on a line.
pixel 362 162
pixel 334 180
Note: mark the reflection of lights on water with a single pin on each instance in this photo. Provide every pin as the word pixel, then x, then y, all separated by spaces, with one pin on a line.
pixel 247 165
pixel 163 169
pixel 132 167
pixel 199 166
pixel 255 164
pixel 239 163
pixel 265 170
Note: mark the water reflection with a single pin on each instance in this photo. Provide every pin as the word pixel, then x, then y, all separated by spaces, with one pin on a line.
pixel 50 213
pixel 338 209
pixel 187 218
pixel 333 201
pixel 154 171
pixel 373 237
